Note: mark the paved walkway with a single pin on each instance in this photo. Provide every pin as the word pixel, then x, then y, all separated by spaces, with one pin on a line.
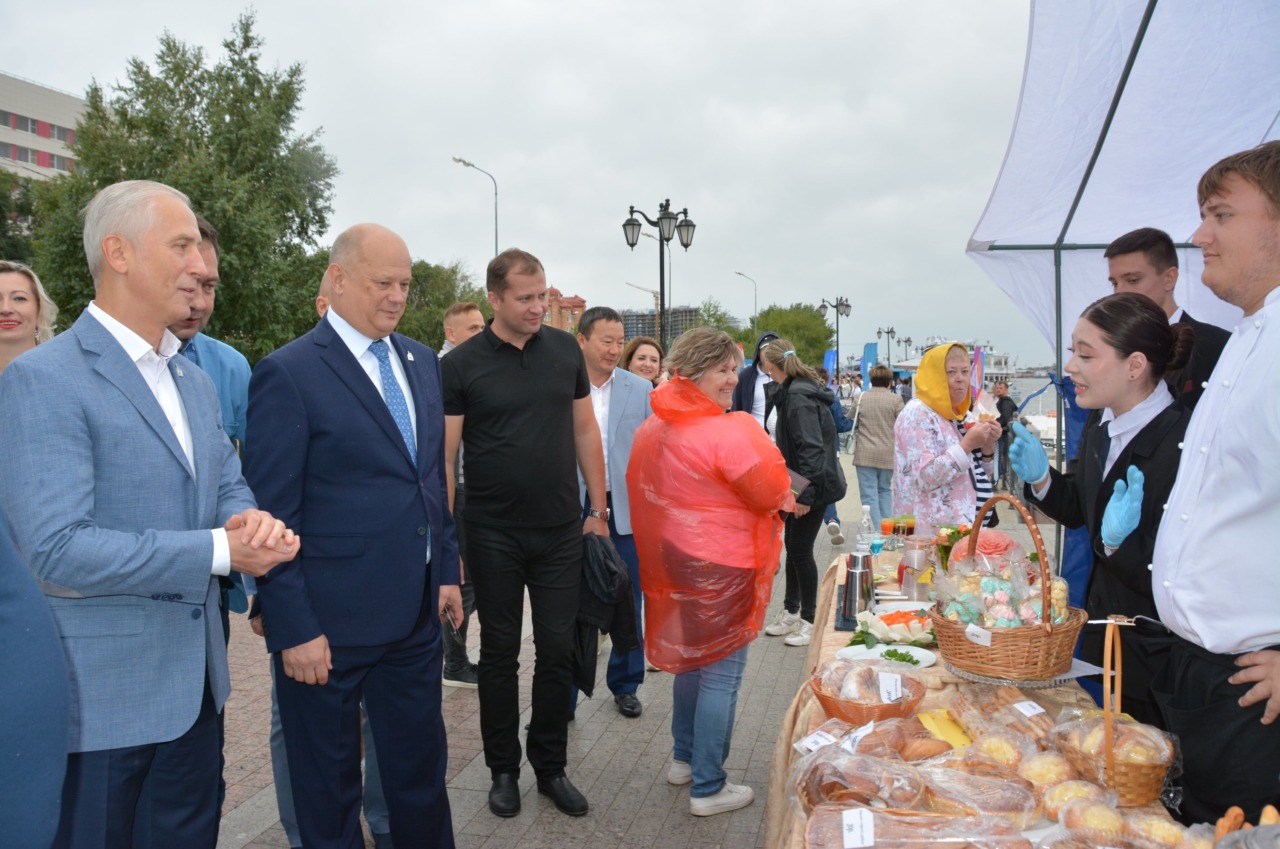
pixel 618 763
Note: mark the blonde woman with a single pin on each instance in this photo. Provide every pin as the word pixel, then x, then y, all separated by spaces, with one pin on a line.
pixel 27 314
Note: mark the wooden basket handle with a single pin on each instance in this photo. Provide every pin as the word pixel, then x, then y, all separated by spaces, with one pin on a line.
pixel 1046 610
pixel 1111 656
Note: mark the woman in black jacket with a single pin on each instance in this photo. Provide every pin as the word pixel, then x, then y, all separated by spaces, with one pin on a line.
pixel 1124 469
pixel 806 436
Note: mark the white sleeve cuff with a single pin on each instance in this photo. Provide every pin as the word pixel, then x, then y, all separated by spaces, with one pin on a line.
pixel 221 552
pixel 1041 489
pixel 962 458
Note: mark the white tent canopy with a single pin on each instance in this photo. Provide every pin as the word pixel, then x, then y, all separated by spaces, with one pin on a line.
pixel 1204 82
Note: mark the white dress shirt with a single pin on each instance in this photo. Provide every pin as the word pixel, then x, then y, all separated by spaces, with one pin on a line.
pixel 600 396
pixel 154 368
pixel 757 399
pixel 359 345
pixel 1213 573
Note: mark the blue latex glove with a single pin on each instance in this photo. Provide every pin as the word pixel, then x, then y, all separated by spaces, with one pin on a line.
pixel 1124 509
pixel 1027 455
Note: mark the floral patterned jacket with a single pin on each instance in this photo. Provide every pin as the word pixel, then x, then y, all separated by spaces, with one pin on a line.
pixel 932 473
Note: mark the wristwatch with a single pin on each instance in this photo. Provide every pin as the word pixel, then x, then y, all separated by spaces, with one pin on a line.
pixel 602 515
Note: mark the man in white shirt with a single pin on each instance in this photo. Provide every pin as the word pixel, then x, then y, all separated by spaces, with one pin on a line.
pixel 1215 583
pixel 126 500
pixel 620 400
pixel 752 392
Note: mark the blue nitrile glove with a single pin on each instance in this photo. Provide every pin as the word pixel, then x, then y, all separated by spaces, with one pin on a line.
pixel 1124 509
pixel 1027 455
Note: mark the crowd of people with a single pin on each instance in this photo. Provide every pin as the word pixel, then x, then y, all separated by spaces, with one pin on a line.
pixel 389 493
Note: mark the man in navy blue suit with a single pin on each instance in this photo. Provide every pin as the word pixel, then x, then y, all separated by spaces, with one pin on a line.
pixel 346 437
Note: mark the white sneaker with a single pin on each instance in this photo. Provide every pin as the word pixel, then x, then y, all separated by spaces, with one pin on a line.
pixel 679 773
pixel 730 798
pixel 783 625
pixel 833 528
pixel 801 635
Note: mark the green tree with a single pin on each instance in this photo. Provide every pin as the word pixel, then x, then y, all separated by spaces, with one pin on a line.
pixel 15 218
pixel 435 288
pixel 711 313
pixel 803 326
pixel 223 134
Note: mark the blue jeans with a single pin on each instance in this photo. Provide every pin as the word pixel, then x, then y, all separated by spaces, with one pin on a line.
pixel 875 489
pixel 704 701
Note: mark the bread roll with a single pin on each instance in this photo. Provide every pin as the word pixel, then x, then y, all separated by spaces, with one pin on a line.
pixel 1003 747
pixel 960 794
pixel 834 775
pixel 1156 828
pixel 1088 815
pixel 1045 769
pixel 1057 796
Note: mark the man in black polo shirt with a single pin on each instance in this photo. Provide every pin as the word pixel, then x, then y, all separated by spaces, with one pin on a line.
pixel 518 398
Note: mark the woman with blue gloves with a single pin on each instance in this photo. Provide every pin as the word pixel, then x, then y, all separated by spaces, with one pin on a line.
pixel 1121 348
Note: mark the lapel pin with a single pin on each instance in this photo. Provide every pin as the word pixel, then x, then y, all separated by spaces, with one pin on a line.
pixel 178 369
pixel 410 353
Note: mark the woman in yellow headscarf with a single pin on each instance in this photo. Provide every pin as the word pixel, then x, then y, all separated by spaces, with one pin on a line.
pixel 943 465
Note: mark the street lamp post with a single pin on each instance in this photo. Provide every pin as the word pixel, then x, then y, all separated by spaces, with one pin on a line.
pixel 842 308
pixel 888 355
pixel 467 164
pixel 906 347
pixel 668 224
pixel 756 313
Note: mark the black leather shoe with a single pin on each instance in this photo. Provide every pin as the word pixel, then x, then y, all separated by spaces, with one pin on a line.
pixel 628 704
pixel 504 794
pixel 563 795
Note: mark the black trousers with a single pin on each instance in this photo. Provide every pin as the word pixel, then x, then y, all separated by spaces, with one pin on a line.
pixel 504 563
pixel 802 570
pixel 1229 757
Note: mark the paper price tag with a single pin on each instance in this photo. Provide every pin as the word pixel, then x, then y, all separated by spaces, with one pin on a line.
pixel 890 687
pixel 1029 709
pixel 815 741
pixel 858 828
pixel 981 636
pixel 853 738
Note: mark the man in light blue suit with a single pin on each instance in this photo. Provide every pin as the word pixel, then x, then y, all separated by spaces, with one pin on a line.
pixel 126 500
pixel 621 403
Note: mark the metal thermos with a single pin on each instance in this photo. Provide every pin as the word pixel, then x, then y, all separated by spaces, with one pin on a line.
pixel 859 584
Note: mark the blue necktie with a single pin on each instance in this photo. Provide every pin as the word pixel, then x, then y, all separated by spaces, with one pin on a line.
pixel 395 398
pixel 189 351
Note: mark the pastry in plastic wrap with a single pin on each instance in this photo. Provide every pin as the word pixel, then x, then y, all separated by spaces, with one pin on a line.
pixel 1094 817
pixel 1045 769
pixel 1066 840
pixel 835 827
pixel 1057 796
pixel 960 794
pixel 1134 742
pixel 972 763
pixel 1154 828
pixel 835 775
pixel 1006 748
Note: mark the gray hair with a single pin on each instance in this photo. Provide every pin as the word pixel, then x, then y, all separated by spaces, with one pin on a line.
pixel 121 209
pixel 47 310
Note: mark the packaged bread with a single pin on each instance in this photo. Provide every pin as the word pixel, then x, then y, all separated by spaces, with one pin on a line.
pixel 833 774
pixel 837 827
pixel 1133 742
pixel 1045 769
pixel 1057 796
pixel 1061 839
pixel 1155 829
pixel 878 683
pixel 980 707
pixel 1093 817
pixel 825 734
pixel 973 763
pixel 1007 748
pixel 961 794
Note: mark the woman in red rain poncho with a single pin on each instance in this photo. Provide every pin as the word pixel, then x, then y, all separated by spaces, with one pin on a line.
pixel 706 488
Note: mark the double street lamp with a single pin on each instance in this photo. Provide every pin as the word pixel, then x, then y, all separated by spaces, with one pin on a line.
pixel 842 308
pixel 669 225
pixel 906 347
pixel 888 356
pixel 465 164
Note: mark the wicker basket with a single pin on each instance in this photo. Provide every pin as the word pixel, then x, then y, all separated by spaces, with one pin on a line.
pixel 860 713
pixel 1024 653
pixel 1134 784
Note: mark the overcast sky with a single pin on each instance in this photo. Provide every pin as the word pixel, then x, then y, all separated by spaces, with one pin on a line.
pixel 827 149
